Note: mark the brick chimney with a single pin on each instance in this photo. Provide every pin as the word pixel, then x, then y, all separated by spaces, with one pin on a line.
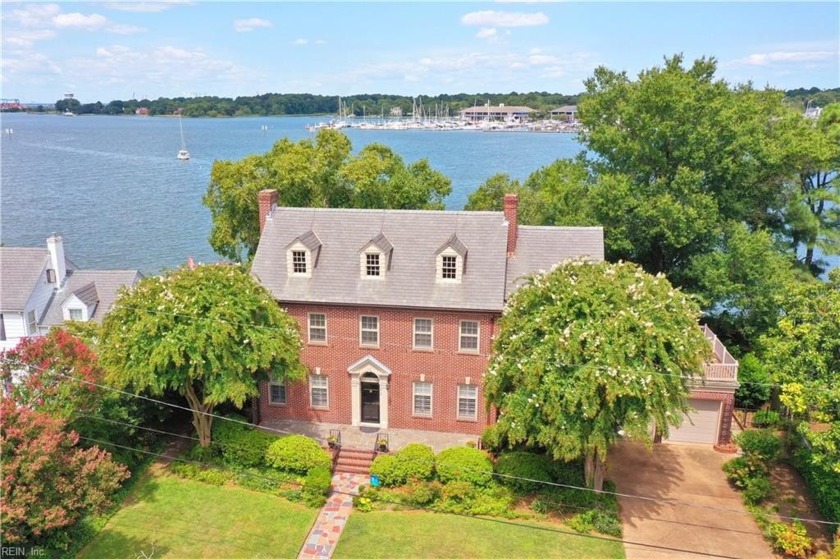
pixel 268 201
pixel 511 209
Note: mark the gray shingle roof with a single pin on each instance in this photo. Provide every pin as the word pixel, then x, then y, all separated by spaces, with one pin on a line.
pixel 87 294
pixel 103 283
pixel 416 236
pixel 20 269
pixel 540 248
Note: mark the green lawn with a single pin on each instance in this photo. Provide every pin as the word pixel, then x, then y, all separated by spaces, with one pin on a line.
pixel 386 535
pixel 183 518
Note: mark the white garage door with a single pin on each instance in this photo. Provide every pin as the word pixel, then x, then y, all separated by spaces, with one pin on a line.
pixel 701 425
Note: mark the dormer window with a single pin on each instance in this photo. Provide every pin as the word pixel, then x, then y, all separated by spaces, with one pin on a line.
pixel 81 304
pixel 372 264
pixel 375 257
pixel 449 267
pixel 302 255
pixel 299 262
pixel 451 260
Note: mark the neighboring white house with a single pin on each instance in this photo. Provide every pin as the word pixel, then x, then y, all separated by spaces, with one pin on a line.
pixel 40 288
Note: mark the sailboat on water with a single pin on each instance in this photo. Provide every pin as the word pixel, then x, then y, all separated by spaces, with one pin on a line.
pixel 183 154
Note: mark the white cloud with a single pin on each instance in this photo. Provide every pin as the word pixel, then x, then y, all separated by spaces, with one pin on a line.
pixel 34 15
pixel 147 7
pixel 300 41
pixel 75 19
pixel 26 39
pixel 244 25
pixel 486 33
pixel 492 18
pixel 764 59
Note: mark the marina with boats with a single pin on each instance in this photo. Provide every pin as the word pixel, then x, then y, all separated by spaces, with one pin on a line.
pixel 484 118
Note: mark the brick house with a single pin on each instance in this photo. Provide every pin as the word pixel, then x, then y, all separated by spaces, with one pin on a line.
pixel 398 308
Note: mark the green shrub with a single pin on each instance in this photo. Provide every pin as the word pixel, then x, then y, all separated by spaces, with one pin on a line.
pixel 415 462
pixel 423 493
pixel 756 489
pixel 755 383
pixel 464 464
pixel 516 468
pixel 297 453
pixel 240 445
pixel 362 503
pixel 199 453
pixel 790 539
pixel 384 467
pixel 264 480
pixel 762 443
pixel 766 418
pixel 567 473
pixel 744 468
pixel 492 440
pixel 211 476
pixel 823 483
pixel 458 491
pixel 600 521
pixel 317 487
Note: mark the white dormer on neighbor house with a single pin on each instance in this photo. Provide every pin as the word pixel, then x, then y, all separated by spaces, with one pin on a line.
pixel 41 288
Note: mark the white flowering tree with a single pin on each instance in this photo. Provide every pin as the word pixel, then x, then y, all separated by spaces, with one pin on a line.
pixel 591 350
pixel 209 333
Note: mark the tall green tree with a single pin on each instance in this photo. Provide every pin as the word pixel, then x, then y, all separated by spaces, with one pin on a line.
pixel 320 173
pixel 209 333
pixel 591 349
pixel 812 214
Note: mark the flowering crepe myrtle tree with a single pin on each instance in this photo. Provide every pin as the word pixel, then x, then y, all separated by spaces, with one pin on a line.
pixel 208 332
pixel 588 350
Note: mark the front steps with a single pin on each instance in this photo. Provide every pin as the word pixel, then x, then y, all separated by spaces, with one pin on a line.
pixel 354 461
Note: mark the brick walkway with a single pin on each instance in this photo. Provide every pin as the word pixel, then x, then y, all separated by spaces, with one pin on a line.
pixel 324 535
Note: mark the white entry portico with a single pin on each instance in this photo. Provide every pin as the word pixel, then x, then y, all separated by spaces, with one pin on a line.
pixel 369 392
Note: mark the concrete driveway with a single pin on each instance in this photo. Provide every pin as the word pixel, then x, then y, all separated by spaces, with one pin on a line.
pixel 683 474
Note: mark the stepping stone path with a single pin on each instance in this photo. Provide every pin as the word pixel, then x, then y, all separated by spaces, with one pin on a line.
pixel 324 535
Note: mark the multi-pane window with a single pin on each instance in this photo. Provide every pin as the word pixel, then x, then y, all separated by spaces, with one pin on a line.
pixel 422 333
pixel 319 391
pixel 277 393
pixel 372 264
pixel 31 323
pixel 317 328
pixel 469 336
pixel 449 267
pixel 467 400
pixel 422 398
pixel 76 314
pixel 369 330
pixel 299 261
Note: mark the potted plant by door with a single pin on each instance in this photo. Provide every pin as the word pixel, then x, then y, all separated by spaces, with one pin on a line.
pixel 382 445
pixel 332 441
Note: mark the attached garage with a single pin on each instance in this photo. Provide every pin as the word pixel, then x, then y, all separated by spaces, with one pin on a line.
pixel 701 425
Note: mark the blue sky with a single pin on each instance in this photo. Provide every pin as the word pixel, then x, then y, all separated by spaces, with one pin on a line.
pixel 119 50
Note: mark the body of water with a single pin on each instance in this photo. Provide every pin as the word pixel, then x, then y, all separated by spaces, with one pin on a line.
pixel 113 188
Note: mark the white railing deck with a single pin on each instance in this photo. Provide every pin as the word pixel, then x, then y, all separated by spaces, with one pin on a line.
pixel 723 366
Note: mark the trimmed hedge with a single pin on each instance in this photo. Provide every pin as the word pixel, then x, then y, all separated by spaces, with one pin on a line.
pixel 415 462
pixel 823 483
pixel 317 486
pixel 520 464
pixel 297 453
pixel 464 464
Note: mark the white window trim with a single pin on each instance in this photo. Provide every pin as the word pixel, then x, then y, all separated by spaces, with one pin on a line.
pixel 414 394
pixel 363 263
pixel 458 399
pixel 459 266
pixel 285 401
pixel 477 336
pixel 361 340
pixel 81 312
pixel 431 334
pixel 326 388
pixel 31 323
pixel 290 265
pixel 309 329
